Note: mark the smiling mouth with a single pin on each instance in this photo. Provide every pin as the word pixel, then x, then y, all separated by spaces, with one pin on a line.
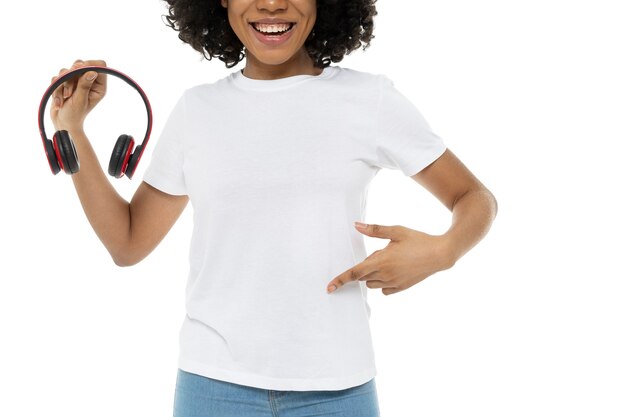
pixel 275 29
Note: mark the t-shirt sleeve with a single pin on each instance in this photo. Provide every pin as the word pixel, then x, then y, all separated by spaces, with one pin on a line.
pixel 404 140
pixel 165 171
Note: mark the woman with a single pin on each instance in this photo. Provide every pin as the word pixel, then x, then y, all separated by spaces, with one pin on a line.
pixel 276 160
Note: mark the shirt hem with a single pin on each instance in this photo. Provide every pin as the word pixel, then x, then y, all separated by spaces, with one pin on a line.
pixel 282 384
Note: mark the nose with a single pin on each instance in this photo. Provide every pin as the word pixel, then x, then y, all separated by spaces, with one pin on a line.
pixel 271 5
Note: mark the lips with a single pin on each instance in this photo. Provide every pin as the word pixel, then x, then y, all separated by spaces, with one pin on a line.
pixel 277 32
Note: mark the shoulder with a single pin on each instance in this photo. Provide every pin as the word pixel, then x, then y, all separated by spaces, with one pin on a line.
pixel 357 75
pixel 357 80
pixel 219 84
pixel 207 93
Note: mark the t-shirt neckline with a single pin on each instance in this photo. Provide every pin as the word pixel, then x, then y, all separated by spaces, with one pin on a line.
pixel 247 83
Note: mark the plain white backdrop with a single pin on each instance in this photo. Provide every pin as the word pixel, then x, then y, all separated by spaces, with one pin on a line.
pixel 530 95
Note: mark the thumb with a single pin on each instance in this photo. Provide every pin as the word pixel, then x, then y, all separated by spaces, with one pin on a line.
pixel 376 230
pixel 83 87
pixel 86 81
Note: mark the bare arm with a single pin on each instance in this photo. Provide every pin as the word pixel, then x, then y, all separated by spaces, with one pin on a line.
pixel 129 231
pixel 411 256
pixel 472 205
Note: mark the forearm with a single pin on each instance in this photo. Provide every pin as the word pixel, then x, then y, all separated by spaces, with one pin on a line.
pixel 472 216
pixel 107 212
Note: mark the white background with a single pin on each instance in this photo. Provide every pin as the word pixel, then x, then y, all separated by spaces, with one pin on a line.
pixel 530 95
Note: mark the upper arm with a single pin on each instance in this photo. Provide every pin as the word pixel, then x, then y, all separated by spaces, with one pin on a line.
pixel 152 215
pixel 448 179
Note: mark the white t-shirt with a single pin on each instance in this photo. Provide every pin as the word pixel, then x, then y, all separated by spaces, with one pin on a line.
pixel 277 171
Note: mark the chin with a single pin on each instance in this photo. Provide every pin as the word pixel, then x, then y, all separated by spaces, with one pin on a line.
pixel 269 58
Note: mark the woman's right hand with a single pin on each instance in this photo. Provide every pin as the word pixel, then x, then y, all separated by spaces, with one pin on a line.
pixel 75 98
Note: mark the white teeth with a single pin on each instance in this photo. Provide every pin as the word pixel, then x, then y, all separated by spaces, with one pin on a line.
pixel 281 27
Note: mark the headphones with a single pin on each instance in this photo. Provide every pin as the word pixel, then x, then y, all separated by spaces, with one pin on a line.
pixel 61 152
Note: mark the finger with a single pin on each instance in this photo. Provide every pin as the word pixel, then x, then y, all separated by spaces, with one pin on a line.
pixel 57 95
pixel 56 101
pixel 52 80
pixel 83 87
pixel 62 72
pixel 55 106
pixel 353 274
pixel 70 84
pixel 63 88
pixel 96 63
pixel 389 291
pixel 100 85
pixel 376 284
pixel 374 275
pixel 384 232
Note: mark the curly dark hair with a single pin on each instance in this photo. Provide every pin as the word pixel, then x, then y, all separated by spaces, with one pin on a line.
pixel 341 27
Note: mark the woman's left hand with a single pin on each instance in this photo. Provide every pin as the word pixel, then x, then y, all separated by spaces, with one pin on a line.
pixel 409 258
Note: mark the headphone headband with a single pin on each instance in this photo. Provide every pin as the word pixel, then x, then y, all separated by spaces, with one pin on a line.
pixel 105 70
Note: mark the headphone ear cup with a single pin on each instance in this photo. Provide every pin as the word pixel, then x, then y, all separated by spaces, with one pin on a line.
pixel 52 157
pixel 120 155
pixel 65 152
pixel 132 162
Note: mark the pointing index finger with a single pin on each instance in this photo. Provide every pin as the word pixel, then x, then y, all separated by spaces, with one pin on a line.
pixel 355 273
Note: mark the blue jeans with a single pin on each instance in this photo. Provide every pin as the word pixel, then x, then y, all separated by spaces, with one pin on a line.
pixel 199 396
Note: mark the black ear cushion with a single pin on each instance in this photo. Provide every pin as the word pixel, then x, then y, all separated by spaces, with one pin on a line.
pixel 66 152
pixel 132 162
pixel 120 155
pixel 52 157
